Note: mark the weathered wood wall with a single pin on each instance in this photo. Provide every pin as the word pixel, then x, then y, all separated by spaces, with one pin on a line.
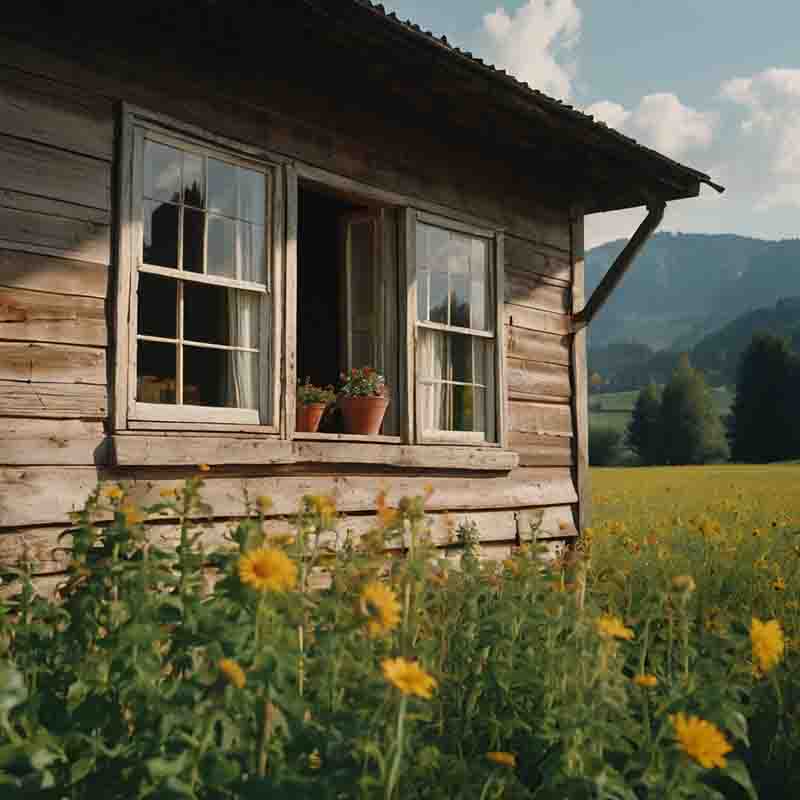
pixel 57 151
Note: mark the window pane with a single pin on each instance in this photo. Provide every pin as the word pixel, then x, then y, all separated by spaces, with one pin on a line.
pixel 460 358
pixel 221 378
pixel 158 306
pixel 221 247
pixel 479 258
pixel 194 226
pixel 484 360
pixel 217 315
pixel 221 187
pixel 439 297
pixel 155 367
pixel 160 236
pixel 252 195
pixel 478 306
pixel 252 261
pixel 479 415
pixel 422 294
pixel 194 184
pixel 162 171
pixel 458 253
pixel 459 300
pixel 462 410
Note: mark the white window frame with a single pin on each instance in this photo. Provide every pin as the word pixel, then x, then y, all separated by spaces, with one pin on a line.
pixel 495 238
pixel 128 412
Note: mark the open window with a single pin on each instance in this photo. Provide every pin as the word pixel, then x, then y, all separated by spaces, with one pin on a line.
pixel 347 298
pixel 202 311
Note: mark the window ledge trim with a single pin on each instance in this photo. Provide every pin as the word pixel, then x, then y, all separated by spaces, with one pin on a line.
pixel 181 450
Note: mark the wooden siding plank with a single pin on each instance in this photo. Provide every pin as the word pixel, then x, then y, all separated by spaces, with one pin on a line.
pixel 50 235
pixel 535 320
pixel 48 317
pixel 537 450
pixel 545 419
pixel 20 270
pixel 524 256
pixel 44 111
pixel 536 346
pixel 51 442
pixel 43 170
pixel 22 201
pixel 533 291
pixel 59 400
pixel 45 549
pixel 553 522
pixel 45 495
pixel 52 363
pixel 137 450
pixel 532 381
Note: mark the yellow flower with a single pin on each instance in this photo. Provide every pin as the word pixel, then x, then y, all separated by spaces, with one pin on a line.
pixel 324 505
pixel 645 681
pixel 408 677
pixel 263 503
pixel 233 673
pixel 500 757
pixel 379 603
pixel 767 642
pixel 203 467
pixel 113 492
pixel 167 493
pixel 779 584
pixel 133 516
pixel 701 740
pixel 611 626
pixel 314 760
pixel 683 583
pixel 268 569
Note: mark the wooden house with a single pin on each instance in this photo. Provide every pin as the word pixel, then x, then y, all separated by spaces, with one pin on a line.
pixel 203 202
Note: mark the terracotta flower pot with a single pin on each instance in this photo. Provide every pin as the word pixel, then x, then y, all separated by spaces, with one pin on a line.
pixel 363 415
pixel 309 416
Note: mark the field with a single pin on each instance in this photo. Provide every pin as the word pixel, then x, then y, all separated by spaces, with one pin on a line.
pixel 613 410
pixel 735 530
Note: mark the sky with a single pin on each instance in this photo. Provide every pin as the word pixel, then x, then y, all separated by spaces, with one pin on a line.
pixel 713 83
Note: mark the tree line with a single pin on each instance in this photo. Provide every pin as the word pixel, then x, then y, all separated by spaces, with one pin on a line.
pixel 681 424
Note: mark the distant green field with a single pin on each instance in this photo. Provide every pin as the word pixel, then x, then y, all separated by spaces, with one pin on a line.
pixel 613 410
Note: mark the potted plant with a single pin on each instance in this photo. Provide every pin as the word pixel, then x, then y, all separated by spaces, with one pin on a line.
pixel 311 404
pixel 363 400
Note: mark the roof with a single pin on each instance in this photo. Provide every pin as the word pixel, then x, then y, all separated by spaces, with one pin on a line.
pixel 568 113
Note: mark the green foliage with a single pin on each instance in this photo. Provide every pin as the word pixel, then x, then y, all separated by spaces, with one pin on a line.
pixel 363 382
pixel 765 422
pixel 604 446
pixel 644 434
pixel 146 682
pixel 691 427
pixel 308 393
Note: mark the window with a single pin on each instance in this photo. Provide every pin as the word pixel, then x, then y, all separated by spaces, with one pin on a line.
pixel 347 273
pixel 201 284
pixel 456 335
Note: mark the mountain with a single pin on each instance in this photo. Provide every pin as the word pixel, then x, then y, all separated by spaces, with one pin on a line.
pixel 625 367
pixel 682 287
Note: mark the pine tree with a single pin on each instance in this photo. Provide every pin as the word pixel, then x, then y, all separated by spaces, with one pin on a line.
pixel 691 428
pixel 765 425
pixel 643 434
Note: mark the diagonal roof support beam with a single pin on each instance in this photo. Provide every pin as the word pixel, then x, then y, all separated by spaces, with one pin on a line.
pixel 622 263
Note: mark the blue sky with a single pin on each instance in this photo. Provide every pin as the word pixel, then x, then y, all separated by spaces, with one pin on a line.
pixel 712 83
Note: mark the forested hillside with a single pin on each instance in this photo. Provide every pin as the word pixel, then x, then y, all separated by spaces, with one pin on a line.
pixel 685 286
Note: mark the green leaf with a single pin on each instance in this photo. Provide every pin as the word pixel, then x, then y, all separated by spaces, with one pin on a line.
pixel 737 771
pixel 161 768
pixel 12 689
pixel 81 768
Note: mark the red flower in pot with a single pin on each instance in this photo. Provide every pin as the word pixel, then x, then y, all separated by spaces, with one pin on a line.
pixel 363 401
pixel 311 404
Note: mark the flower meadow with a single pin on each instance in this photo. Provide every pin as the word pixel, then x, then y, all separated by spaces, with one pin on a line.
pixel 313 664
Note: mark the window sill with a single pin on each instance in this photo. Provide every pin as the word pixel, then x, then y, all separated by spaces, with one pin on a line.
pixel 169 450
pixel 347 437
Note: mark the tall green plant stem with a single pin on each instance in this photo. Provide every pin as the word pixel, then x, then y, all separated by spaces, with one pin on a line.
pixel 398 751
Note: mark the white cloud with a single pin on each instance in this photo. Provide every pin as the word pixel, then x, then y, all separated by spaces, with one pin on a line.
pixel 660 121
pixel 770 128
pixel 535 43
